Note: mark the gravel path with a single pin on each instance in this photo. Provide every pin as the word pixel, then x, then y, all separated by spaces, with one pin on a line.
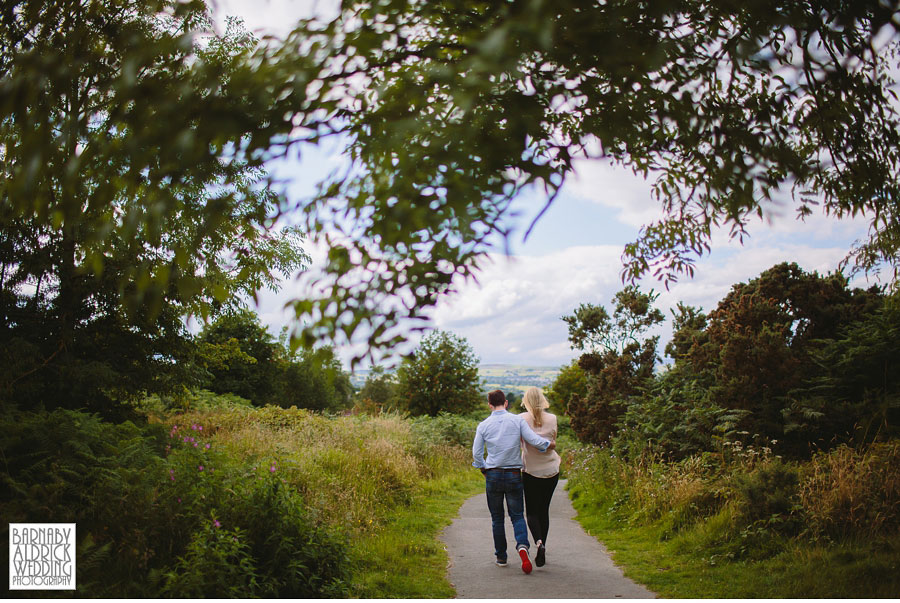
pixel 578 567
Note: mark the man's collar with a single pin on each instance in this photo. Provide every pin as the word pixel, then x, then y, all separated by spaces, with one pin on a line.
pixel 493 412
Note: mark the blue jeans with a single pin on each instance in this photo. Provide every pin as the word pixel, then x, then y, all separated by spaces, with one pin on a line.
pixel 500 485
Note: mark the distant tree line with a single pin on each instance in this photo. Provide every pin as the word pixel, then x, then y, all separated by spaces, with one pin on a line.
pixel 792 359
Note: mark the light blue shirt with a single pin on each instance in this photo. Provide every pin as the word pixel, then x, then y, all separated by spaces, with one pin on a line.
pixel 502 433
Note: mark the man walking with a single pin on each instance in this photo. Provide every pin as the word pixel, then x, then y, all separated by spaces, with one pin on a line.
pixel 501 433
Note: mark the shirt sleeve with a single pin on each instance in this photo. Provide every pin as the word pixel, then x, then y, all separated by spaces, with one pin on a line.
pixel 532 438
pixel 478 449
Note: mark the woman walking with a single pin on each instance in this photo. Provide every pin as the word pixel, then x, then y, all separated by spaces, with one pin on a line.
pixel 541 473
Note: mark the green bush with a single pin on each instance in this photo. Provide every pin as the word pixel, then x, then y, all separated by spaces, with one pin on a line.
pixel 767 490
pixel 256 540
pixel 446 428
pixel 145 506
pixel 218 563
pixel 72 467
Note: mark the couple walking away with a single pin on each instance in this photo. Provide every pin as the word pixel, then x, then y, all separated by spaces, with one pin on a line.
pixel 512 442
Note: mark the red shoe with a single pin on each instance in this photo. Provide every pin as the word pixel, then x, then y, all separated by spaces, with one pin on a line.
pixel 526 560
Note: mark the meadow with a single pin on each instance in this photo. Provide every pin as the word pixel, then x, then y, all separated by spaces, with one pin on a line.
pixel 227 500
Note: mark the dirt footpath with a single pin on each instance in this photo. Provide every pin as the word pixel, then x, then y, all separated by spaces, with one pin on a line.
pixel 577 565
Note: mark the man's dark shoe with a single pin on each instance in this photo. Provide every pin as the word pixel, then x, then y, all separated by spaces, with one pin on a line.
pixel 500 562
pixel 539 559
pixel 526 560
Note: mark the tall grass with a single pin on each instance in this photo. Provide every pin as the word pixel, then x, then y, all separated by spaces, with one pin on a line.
pixel 750 524
pixel 351 470
pixel 848 492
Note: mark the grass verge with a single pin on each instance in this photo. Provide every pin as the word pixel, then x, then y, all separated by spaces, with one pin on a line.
pixel 677 551
pixel 405 559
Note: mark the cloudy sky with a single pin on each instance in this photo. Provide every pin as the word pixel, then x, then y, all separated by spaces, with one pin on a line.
pixel 573 256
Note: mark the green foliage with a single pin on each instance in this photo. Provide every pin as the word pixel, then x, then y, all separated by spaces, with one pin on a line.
pixel 688 325
pixel 789 357
pixel 440 375
pixel 67 466
pixel 592 328
pixel 768 490
pixel 674 417
pixel 147 511
pixel 378 393
pixel 570 382
pixel 451 111
pixel 446 428
pixel 759 343
pixel 618 364
pixel 314 379
pixel 856 390
pixel 134 152
pixel 240 501
pixel 241 357
pixel 217 563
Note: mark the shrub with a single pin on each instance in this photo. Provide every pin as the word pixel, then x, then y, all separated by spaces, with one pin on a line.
pixel 144 509
pixel 767 490
pixel 72 467
pixel 227 501
pixel 445 428
pixel 217 563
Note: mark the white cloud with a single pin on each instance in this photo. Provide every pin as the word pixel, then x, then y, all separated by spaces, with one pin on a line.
pixel 616 187
pixel 513 315
pixel 629 195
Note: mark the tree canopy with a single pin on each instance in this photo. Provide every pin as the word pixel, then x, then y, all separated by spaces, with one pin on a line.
pixel 618 362
pixel 453 108
pixel 128 132
pixel 132 193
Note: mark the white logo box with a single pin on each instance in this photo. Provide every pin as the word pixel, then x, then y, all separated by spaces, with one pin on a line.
pixel 42 556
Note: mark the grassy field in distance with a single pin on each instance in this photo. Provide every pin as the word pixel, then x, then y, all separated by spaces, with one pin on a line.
pixel 507 377
pixel 515 378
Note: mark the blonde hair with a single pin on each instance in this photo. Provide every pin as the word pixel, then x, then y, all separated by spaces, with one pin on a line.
pixel 535 402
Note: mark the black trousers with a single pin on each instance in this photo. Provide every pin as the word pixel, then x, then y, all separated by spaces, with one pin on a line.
pixel 538 492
